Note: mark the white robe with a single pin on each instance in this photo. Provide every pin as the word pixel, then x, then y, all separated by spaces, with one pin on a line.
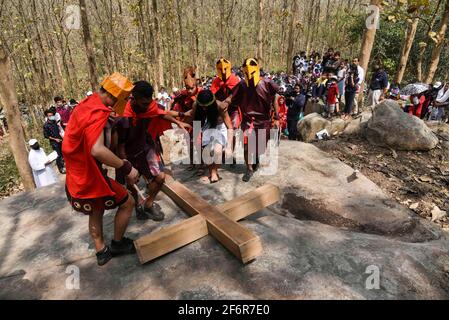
pixel 43 175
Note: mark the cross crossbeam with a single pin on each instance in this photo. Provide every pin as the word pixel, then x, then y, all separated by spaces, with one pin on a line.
pixel 219 221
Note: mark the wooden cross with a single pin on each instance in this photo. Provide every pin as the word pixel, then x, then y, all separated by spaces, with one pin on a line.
pixel 220 222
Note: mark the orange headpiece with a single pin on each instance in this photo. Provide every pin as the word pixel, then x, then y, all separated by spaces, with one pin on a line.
pixel 120 87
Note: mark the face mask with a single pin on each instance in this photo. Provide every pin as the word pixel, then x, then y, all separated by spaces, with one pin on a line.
pixel 52 118
pixel 415 101
pixel 224 69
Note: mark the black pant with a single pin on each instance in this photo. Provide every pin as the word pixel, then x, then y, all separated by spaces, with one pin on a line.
pixel 349 101
pixel 60 160
pixel 292 125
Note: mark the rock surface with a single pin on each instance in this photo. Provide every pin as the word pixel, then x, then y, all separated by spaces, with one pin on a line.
pixel 310 125
pixel 391 127
pixel 356 126
pixel 317 107
pixel 338 126
pixel 343 228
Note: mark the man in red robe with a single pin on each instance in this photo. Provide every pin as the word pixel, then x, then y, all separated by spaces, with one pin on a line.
pixel 184 101
pixel 143 122
pixel 256 97
pixel 86 149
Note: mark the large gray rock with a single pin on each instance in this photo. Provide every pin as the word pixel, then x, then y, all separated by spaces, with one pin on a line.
pixel 310 125
pixel 346 229
pixel 358 125
pixel 338 126
pixel 314 107
pixel 391 127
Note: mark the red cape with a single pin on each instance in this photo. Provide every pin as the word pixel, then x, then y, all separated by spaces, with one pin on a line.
pixel 84 177
pixel 156 127
pixel 230 83
pixel 184 101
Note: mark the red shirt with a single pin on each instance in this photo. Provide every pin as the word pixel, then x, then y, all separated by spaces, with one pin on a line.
pixel 332 94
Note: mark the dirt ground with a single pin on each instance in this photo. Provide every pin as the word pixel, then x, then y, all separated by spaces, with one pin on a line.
pixel 419 180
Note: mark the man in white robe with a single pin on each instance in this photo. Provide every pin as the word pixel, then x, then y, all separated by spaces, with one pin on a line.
pixel 43 173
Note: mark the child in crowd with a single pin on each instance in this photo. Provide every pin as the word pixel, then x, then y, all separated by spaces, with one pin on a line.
pixel 331 98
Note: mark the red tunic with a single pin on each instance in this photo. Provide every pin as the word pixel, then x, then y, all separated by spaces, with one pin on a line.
pixel 222 90
pixel 85 179
pixel 184 101
pixel 256 103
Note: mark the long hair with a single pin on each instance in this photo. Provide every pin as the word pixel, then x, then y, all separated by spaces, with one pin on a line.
pixel 211 114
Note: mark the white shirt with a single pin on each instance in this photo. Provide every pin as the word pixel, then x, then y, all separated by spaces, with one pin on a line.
pixel 443 96
pixel 361 75
pixel 162 98
pixel 43 175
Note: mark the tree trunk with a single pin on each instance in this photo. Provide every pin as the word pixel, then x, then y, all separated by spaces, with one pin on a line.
pixel 8 98
pixel 407 46
pixel 260 54
pixel 291 32
pixel 158 46
pixel 422 50
pixel 89 48
pixel 367 47
pixel 309 27
pixel 436 52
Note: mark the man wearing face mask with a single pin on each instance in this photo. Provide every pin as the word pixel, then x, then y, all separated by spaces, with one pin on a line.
pixel 53 133
pixel 256 97
pixel 86 149
pixel 143 122
pixel 43 173
pixel 222 87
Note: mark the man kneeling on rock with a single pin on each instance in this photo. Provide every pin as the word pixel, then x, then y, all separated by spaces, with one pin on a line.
pixel 86 149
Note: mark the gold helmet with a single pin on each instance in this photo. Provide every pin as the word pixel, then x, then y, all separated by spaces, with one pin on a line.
pixel 224 69
pixel 251 70
pixel 120 87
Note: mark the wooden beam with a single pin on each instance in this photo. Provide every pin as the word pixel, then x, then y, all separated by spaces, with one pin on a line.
pixel 185 232
pixel 250 203
pixel 171 238
pixel 243 243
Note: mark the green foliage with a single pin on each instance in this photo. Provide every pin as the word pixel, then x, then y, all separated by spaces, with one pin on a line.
pixel 9 175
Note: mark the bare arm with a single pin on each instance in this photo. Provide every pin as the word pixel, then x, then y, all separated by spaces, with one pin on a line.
pixel 104 155
pixel 180 124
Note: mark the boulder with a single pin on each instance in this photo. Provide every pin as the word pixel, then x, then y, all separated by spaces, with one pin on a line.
pixel 312 107
pixel 338 126
pixel 391 127
pixel 357 125
pixel 310 125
